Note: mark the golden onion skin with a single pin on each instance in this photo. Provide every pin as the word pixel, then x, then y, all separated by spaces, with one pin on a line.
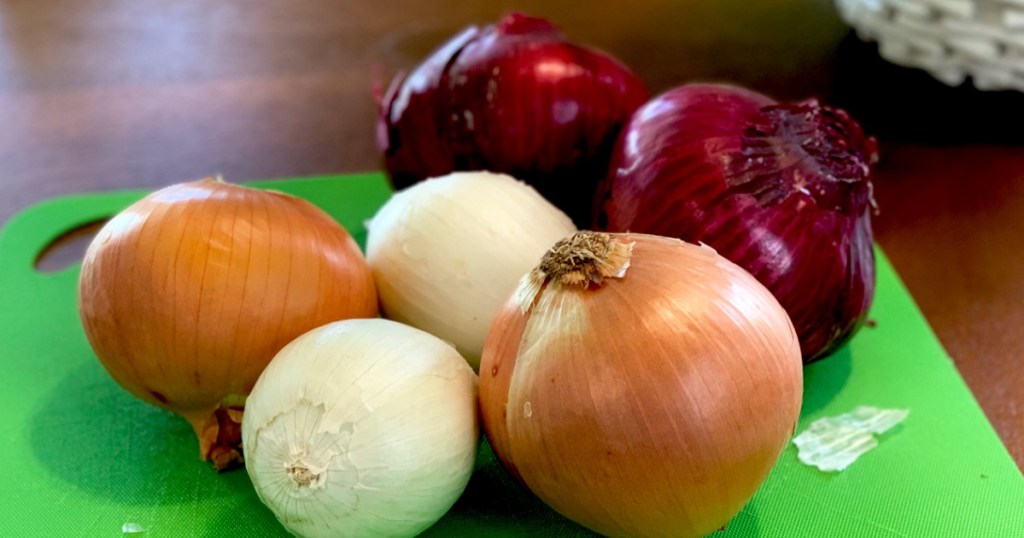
pixel 187 294
pixel 649 405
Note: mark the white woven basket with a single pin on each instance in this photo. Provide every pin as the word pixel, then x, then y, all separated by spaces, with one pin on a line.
pixel 951 39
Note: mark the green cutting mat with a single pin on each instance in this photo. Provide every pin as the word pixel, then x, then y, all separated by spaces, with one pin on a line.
pixel 82 457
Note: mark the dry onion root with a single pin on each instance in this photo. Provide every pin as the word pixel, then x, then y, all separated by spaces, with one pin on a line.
pixel 186 295
pixel 640 385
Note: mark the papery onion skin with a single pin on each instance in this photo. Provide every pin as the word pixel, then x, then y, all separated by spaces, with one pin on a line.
pixel 445 253
pixel 187 294
pixel 517 97
pixel 651 404
pixel 783 190
pixel 362 429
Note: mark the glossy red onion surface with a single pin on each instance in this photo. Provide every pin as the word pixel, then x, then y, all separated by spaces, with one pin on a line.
pixel 517 97
pixel 783 190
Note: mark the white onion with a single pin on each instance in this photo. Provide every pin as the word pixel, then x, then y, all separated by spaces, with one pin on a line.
pixel 447 252
pixel 362 428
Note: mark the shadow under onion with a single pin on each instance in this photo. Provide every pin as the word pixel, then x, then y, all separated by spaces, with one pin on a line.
pixel 495 504
pixel 97 437
pixel 824 379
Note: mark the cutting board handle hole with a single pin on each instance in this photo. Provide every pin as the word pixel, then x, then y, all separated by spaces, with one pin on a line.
pixel 68 248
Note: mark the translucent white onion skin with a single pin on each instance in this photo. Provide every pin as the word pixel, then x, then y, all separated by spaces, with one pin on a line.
pixel 647 405
pixel 362 429
pixel 446 253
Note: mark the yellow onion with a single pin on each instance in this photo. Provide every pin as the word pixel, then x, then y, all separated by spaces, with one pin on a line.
pixel 187 294
pixel 640 385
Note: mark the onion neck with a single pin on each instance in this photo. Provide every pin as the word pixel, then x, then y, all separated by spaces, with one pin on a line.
pixel 517 23
pixel 581 260
pixel 220 436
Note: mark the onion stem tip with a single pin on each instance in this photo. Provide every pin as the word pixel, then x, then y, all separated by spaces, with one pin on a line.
pixel 581 259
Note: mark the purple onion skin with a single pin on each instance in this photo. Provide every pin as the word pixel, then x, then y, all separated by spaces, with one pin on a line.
pixel 783 190
pixel 518 98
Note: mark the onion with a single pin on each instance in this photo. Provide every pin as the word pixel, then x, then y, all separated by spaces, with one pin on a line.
pixel 518 98
pixel 447 252
pixel 640 385
pixel 187 294
pixel 783 190
pixel 362 428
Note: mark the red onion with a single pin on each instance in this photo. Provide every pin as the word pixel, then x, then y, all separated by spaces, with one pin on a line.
pixel 517 98
pixel 783 190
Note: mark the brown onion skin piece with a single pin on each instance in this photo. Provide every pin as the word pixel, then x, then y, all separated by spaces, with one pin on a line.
pixel 186 295
pixel 652 417
pixel 799 219
pixel 518 98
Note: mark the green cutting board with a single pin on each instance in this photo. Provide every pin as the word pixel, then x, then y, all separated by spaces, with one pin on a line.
pixel 82 458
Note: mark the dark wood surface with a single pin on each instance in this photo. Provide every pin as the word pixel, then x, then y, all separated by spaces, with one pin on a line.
pixel 110 94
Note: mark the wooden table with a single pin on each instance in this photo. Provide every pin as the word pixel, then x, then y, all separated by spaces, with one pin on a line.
pixel 110 94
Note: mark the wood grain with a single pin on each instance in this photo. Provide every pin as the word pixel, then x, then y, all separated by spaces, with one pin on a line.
pixel 111 94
